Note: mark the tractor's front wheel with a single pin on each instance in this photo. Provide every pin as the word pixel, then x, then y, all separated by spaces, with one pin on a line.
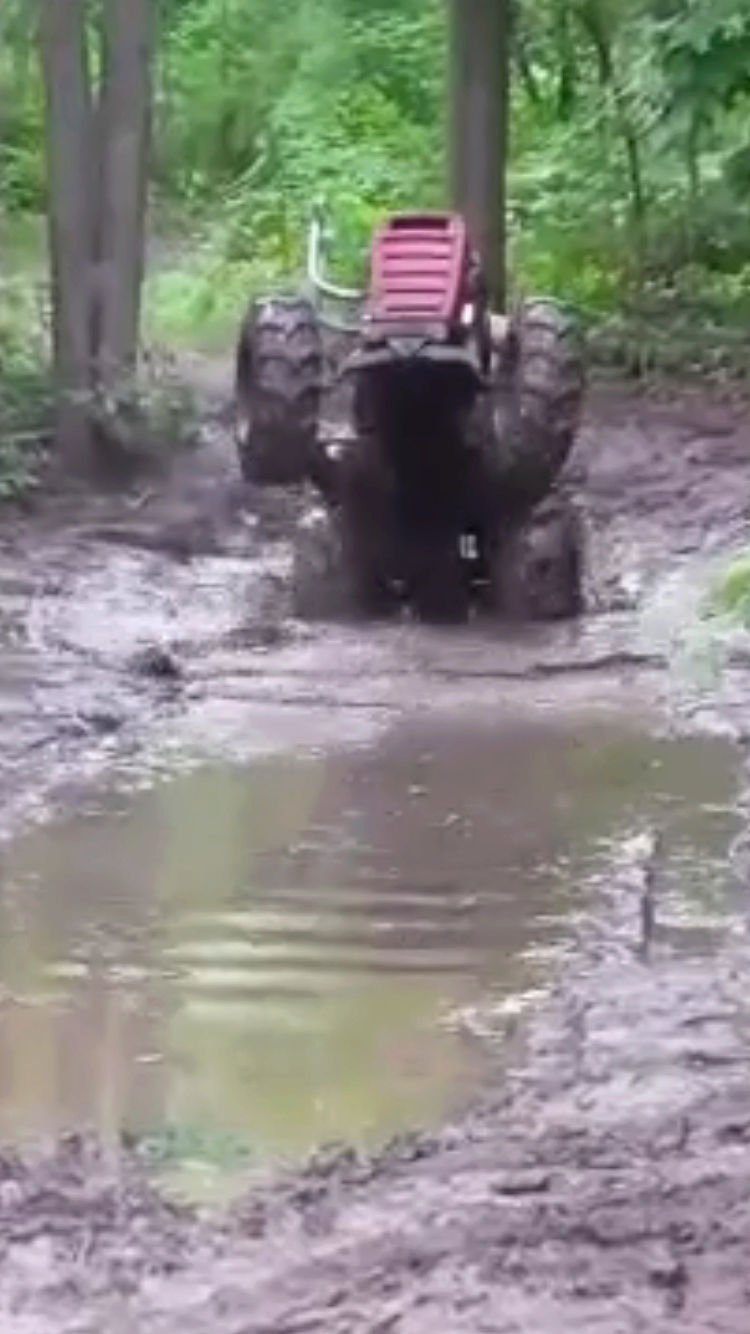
pixel 279 370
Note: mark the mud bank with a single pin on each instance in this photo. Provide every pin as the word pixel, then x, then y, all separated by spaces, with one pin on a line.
pixel 604 1186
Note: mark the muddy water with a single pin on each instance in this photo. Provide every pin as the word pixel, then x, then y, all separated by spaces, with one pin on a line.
pixel 243 963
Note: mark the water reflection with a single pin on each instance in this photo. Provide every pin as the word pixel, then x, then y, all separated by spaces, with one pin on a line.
pixel 266 954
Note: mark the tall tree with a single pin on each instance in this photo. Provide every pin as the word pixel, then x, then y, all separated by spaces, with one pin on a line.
pixel 479 57
pixel 70 204
pixel 98 130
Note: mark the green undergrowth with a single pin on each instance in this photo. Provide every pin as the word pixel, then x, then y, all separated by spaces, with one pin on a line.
pixel 25 396
pixel 628 181
pixel 729 596
pixel 198 306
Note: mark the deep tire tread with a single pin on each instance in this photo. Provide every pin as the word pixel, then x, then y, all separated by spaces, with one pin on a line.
pixel 278 388
pixel 549 375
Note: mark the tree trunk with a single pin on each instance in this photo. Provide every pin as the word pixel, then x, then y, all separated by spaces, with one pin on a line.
pixel 479 128
pixel 70 214
pixel 98 141
pixel 126 125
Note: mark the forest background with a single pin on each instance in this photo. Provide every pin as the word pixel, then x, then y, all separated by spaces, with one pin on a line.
pixel 628 174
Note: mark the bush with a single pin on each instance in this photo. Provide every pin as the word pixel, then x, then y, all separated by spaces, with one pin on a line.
pixel 25 393
pixel 730 595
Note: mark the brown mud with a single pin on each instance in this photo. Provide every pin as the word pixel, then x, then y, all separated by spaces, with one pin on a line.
pixel 603 1184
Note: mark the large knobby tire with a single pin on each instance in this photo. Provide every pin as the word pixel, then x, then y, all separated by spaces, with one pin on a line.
pixel 550 372
pixel 336 575
pixel 523 427
pixel 321 589
pixel 401 519
pixel 437 582
pixel 537 567
pixel 279 372
pixel 367 516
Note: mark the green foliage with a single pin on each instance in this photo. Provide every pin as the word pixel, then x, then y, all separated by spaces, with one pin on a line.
pixel 22 181
pixel 731 593
pixel 706 57
pixel 25 398
pixel 274 111
pixel 632 167
pixel 199 304
pixel 630 172
pixel 277 107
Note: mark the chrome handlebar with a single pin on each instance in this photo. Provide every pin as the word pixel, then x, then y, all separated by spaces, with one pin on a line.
pixel 318 241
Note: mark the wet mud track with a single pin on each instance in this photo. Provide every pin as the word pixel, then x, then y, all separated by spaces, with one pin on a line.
pixel 604 1185
pixel 154 627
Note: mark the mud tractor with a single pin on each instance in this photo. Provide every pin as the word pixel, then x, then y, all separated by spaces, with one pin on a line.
pixel 437 483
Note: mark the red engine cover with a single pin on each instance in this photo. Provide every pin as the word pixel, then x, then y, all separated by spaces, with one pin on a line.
pixel 419 262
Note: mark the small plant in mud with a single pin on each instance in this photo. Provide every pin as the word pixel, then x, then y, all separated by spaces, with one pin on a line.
pixel 173 1145
pixel 704 641
pixel 730 595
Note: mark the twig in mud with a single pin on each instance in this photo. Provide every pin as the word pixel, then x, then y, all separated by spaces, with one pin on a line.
pixel 139 501
pixel 647 851
pixel 40 437
pixel 648 921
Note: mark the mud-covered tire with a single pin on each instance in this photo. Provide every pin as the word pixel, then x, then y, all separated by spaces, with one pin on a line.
pixel 366 497
pixel 279 370
pixel 549 383
pixel 537 568
pixel 523 427
pixel 321 589
pixel 334 576
pixel 437 582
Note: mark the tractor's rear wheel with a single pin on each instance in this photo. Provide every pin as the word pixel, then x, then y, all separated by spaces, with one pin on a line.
pixel 523 426
pixel 320 586
pixel 367 499
pixel 337 574
pixel 438 585
pixel 549 388
pixel 279 370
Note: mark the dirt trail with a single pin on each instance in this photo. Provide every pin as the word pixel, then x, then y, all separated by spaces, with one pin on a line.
pixel 605 1188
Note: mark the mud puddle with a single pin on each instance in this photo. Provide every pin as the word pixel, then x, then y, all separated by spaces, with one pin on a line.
pixel 244 963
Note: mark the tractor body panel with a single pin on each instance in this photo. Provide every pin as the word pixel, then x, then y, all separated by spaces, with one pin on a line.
pixel 419 265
